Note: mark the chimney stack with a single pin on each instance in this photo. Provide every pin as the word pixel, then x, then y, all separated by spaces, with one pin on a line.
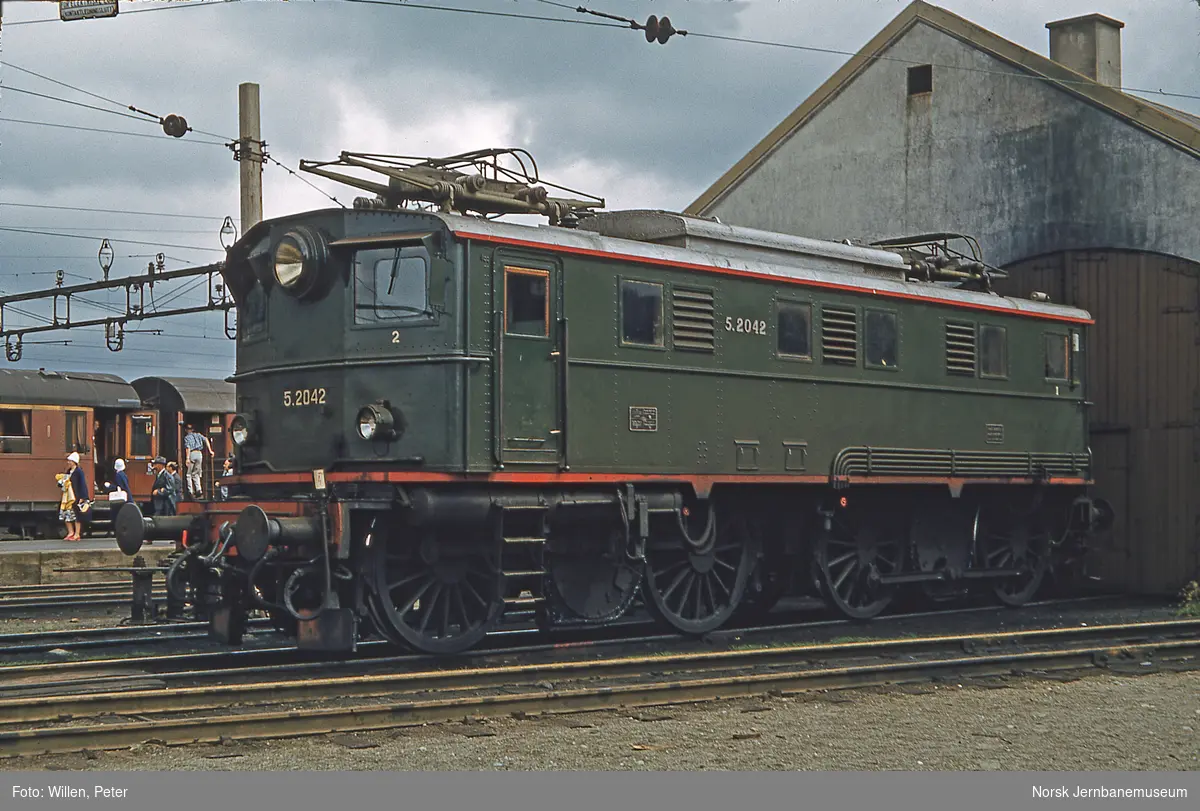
pixel 1090 45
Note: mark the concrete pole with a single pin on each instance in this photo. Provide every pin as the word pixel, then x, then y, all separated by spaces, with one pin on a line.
pixel 251 164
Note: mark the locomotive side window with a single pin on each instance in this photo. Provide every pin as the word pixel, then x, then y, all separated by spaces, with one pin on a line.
pixel 1056 357
pixel 794 330
pixel 391 284
pixel 16 431
pixel 641 313
pixel 252 316
pixel 526 302
pixel 76 432
pixel 141 436
pixel 993 343
pixel 882 340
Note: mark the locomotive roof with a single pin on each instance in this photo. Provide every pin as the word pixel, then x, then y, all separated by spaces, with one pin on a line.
pixel 812 263
pixel 186 393
pixel 88 389
pixel 582 242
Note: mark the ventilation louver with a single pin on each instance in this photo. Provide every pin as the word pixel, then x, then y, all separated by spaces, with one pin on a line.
pixel 960 349
pixel 839 335
pixel 692 320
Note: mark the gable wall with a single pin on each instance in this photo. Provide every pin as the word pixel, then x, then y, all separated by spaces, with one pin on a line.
pixel 1022 165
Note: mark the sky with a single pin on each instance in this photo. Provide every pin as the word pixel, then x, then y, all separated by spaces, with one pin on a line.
pixel 601 110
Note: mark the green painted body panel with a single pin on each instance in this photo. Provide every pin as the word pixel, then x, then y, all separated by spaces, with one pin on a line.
pixel 744 409
pixel 476 399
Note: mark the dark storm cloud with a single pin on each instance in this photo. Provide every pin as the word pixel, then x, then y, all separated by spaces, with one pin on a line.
pixel 600 109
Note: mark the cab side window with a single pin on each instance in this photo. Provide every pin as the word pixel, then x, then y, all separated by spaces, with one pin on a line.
pixel 641 313
pixel 526 302
pixel 1056 356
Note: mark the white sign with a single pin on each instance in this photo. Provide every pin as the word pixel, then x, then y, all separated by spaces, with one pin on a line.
pixel 86 9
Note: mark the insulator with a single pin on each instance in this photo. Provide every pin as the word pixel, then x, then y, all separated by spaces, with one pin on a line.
pixel 175 125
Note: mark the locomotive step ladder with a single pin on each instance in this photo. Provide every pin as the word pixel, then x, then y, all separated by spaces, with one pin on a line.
pixel 522 529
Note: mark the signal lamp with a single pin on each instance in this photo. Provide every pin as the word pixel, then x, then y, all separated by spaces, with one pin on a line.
pixel 376 422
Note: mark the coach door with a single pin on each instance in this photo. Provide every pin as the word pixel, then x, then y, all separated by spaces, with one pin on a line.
pixel 528 368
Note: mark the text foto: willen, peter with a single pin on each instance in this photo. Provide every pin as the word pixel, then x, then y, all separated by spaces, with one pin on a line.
pixel 69 793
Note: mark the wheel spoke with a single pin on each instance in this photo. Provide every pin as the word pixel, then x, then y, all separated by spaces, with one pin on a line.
pixel 679 578
pixel 427 610
pixel 445 625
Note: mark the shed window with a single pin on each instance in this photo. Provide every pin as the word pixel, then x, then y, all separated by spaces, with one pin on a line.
pixel 16 431
pixel 641 313
pixel 794 329
pixel 526 302
pixel 1056 357
pixel 920 79
pixel 76 432
pixel 881 339
pixel 391 284
pixel 993 343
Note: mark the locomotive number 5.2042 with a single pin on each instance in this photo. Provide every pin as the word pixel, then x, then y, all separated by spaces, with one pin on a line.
pixel 750 325
pixel 303 397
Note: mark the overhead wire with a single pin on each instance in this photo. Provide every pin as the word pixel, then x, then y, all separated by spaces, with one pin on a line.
pixel 126 241
pixel 161 137
pixel 125 13
pixel 112 211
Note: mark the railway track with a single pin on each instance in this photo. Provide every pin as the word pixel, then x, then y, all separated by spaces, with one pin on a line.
pixel 69 595
pixel 310 706
pixel 267 655
pixel 106 638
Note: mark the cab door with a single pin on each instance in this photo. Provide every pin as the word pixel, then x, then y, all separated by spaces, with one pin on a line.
pixel 529 362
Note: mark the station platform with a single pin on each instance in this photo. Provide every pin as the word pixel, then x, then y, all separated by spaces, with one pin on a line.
pixel 32 563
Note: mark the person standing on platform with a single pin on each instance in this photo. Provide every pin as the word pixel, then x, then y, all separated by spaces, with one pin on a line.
pixel 173 469
pixel 82 504
pixel 120 483
pixel 194 445
pixel 163 489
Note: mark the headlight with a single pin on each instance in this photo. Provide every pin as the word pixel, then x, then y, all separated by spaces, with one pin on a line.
pixel 239 430
pixel 376 422
pixel 298 260
pixel 289 263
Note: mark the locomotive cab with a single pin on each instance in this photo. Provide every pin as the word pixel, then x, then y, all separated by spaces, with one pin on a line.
pixel 348 333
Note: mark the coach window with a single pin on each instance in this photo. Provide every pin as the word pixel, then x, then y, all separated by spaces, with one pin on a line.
pixel 526 302
pixel 993 344
pixel 881 339
pixel 1056 356
pixel 794 330
pixel 16 434
pixel 76 432
pixel 141 436
pixel 641 313
pixel 391 285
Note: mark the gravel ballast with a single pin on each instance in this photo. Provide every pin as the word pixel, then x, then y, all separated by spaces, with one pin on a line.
pixel 1099 722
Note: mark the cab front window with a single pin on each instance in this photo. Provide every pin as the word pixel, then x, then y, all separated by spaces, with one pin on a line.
pixel 391 284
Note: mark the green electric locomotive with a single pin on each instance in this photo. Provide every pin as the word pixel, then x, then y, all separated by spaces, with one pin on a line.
pixel 445 421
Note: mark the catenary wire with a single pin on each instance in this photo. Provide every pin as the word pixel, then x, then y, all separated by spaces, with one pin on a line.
pixel 159 137
pixel 125 13
pixel 112 211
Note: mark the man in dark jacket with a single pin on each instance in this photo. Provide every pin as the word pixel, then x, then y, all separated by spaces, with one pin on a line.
pixel 162 492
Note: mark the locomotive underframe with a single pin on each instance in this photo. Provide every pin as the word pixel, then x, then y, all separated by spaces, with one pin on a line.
pixel 437 566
